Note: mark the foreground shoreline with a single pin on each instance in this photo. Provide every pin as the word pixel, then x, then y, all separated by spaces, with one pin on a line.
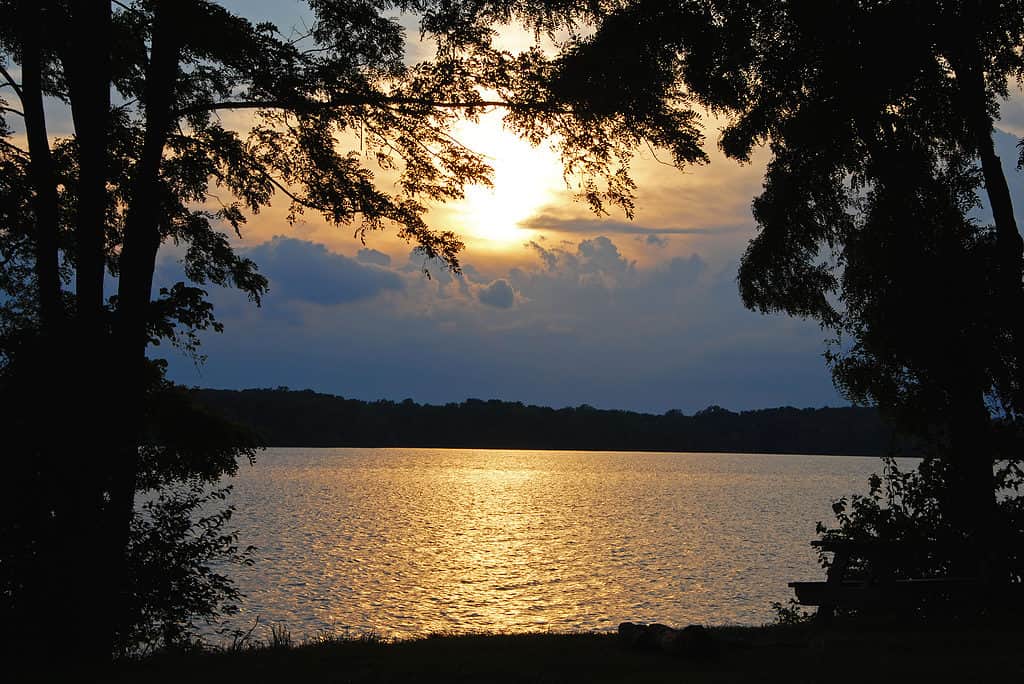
pixel 773 653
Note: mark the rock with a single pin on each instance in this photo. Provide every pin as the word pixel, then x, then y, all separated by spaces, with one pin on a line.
pixel 630 633
pixel 693 642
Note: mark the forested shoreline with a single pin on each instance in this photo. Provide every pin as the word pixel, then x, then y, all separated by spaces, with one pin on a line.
pixel 283 417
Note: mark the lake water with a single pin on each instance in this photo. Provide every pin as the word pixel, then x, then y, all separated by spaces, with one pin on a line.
pixel 405 542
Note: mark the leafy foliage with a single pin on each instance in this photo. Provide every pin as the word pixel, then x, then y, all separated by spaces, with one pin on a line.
pixel 902 518
pixel 180 544
pixel 175 544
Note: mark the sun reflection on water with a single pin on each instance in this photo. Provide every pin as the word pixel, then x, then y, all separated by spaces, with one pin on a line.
pixel 406 542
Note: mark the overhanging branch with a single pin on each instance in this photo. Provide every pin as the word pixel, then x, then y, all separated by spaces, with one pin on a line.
pixel 11 82
pixel 15 149
pixel 379 101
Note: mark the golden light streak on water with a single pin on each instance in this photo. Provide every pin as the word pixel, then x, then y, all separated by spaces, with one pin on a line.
pixel 406 542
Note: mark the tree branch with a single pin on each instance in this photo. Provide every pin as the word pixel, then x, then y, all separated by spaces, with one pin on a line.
pixel 284 189
pixel 15 149
pixel 382 101
pixel 11 82
pixel 12 110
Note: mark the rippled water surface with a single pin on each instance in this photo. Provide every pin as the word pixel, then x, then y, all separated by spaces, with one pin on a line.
pixel 409 541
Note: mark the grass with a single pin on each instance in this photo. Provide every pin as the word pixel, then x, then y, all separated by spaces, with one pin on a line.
pixel 773 653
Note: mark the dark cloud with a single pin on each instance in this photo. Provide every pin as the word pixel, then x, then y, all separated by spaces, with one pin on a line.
pixel 372 256
pixel 600 255
pixel 307 271
pixel 681 271
pixel 549 257
pixel 498 294
pixel 656 241
pixel 581 324
pixel 597 258
pixel 598 226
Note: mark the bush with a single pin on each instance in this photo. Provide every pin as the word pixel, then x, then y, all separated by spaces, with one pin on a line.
pixel 902 514
pixel 180 532
pixel 175 542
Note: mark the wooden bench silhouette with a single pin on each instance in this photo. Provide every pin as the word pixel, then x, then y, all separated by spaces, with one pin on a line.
pixel 882 589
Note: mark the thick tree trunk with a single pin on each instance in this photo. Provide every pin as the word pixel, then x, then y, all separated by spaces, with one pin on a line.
pixel 138 261
pixel 84 48
pixel 86 61
pixel 40 167
pixel 970 499
pixel 977 477
pixel 971 79
pixel 49 500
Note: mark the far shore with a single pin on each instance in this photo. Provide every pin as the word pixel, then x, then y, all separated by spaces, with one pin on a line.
pixel 293 418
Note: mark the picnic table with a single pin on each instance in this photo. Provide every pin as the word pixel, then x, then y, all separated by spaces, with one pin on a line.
pixel 881 588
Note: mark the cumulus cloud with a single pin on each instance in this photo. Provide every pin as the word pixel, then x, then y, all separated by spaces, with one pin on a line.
pixel 549 257
pixel 599 226
pixel 600 255
pixel 307 271
pixel 372 256
pixel 681 271
pixel 498 294
pixel 593 262
pixel 577 323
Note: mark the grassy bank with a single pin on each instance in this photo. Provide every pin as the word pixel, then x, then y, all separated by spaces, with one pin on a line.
pixel 792 654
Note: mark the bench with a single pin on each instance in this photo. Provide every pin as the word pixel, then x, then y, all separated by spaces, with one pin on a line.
pixel 881 589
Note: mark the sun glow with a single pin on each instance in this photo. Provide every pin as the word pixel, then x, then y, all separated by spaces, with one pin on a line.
pixel 525 179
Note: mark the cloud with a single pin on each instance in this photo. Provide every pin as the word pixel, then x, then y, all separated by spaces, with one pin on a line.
pixel 600 255
pixel 306 271
pixel 372 256
pixel 656 241
pixel 1011 116
pixel 598 226
pixel 576 323
pixel 596 262
pixel 681 271
pixel 549 257
pixel 498 294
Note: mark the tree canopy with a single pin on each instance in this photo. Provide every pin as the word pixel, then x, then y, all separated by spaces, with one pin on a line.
pixel 879 118
pixel 152 162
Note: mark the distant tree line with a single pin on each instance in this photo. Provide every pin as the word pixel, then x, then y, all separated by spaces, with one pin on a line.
pixel 284 417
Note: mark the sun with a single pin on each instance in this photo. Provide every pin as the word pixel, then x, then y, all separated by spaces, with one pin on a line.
pixel 526 178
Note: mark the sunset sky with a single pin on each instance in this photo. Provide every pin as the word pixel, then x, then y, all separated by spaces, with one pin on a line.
pixel 556 306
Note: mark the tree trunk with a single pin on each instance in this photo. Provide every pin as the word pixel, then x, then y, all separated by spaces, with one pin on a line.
pixel 84 40
pixel 86 61
pixel 971 79
pixel 48 497
pixel 138 261
pixel 40 167
pixel 970 499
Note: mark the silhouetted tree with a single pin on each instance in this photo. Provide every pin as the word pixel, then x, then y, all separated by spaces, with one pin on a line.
pixel 879 120
pixel 151 161
pixel 878 117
